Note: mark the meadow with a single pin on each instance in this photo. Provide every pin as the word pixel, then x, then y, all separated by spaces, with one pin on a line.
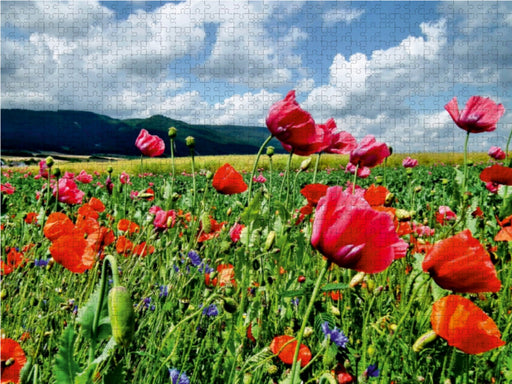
pixel 274 269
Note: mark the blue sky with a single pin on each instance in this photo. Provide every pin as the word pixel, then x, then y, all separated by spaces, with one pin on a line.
pixel 385 68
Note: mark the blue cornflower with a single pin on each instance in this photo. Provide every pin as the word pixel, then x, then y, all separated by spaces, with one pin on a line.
pixel 147 304
pixel 195 259
pixel 164 291
pixel 205 268
pixel 177 377
pixel 211 310
pixel 337 336
pixel 176 268
pixel 41 262
pixel 371 371
pixel 295 302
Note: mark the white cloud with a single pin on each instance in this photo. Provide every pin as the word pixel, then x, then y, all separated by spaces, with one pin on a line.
pixel 343 15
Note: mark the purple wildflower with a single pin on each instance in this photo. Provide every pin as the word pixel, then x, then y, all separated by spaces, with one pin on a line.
pixel 178 377
pixel 211 310
pixel 371 371
pixel 337 336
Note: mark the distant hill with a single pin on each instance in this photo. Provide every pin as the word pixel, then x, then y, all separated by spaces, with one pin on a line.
pixel 88 133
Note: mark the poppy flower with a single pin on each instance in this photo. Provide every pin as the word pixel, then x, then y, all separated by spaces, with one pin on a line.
pixel 505 233
pixel 68 192
pixel 228 181
pixel 43 170
pixel 320 140
pixel 164 219
pixel 409 163
pixel 235 232
pixel 84 177
pixel 445 214
pixel 73 251
pixel 497 174
pixel 369 153
pixel 496 153
pixel 13 359
pixel 14 260
pixel 461 264
pixel 211 232
pixel 127 225
pixel 149 145
pixel 123 245
pixel 480 114
pixel 362 172
pixel 313 193
pixel 341 143
pixel 376 195
pixel 143 249
pixel 464 326
pixel 225 276
pixel 284 347
pixel 56 225
pixel 295 128
pixel 124 178
pixel 352 235
pixel 31 218
pixel 7 188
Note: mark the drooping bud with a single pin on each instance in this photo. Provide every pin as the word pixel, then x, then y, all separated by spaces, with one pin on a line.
pixel 206 223
pixel 357 279
pixel 190 142
pixel 172 132
pixel 230 305
pixel 122 316
pixel 423 340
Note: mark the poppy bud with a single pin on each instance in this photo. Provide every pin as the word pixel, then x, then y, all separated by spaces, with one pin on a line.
pixel 423 340
pixel 190 142
pixel 209 175
pixel 334 310
pixel 417 188
pixel 172 132
pixel 408 171
pixel 389 199
pixel 379 179
pixel 402 214
pixel 49 161
pixel 110 169
pixel 272 369
pixel 3 294
pixel 229 211
pixel 206 223
pixel 56 172
pixel 444 181
pixel 230 305
pixel 271 237
pixel 122 316
pixel 357 279
pixel 270 151
pixel 305 164
pixel 308 331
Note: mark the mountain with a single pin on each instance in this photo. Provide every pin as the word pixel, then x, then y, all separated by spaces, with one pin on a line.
pixel 87 133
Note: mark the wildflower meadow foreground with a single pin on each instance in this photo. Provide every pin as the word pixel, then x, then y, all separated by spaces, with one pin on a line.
pixel 362 273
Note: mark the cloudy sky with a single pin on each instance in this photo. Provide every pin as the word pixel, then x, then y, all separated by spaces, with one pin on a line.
pixel 385 68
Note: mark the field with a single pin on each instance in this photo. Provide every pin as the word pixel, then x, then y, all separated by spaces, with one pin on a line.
pixel 217 283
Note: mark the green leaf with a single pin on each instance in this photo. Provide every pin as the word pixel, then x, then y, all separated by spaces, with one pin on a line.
pixel 86 317
pixel 86 377
pixel 295 375
pixel 65 367
pixel 253 210
pixel 115 375
pixel 106 351
pixel 334 287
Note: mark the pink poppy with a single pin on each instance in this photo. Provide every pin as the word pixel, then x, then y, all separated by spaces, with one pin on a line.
pixel 84 178
pixel 68 192
pixel 496 153
pixel 149 145
pixel 7 188
pixel 124 178
pixel 362 172
pixel 235 232
pixel 409 163
pixel 43 170
pixel 341 143
pixel 320 141
pixel 480 114
pixel 369 152
pixel 445 214
pixel 351 234
pixel 164 219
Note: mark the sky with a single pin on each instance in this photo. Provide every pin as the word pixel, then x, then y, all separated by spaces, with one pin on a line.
pixel 381 68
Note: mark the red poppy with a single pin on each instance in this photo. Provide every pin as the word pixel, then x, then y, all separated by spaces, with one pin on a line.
pixel 497 153
pixel 211 232
pixel 124 246
pixel 7 188
pixel 505 233
pixel 225 276
pixel 351 234
pixel 228 181
pixel 149 145
pixel 461 264
pixel 235 232
pixel 341 143
pixel 13 359
pixel 314 192
pixel 57 225
pixel 369 152
pixel 320 141
pixel 284 347
pixel 73 251
pixel 14 260
pixel 31 217
pixel 497 174
pixel 342 376
pixel 480 115
pixel 464 326
pixel 127 225
pixel 143 249
pixel 445 214
pixel 376 195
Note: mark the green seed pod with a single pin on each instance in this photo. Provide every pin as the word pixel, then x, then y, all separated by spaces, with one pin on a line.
pixel 408 171
pixel 3 294
pixel 379 179
pixel 206 223
pixel 423 340
pixel 357 279
pixel 209 175
pixel 308 331
pixel 50 161
pixel 172 132
pixel 110 169
pixel 271 237
pixel 270 151
pixel 190 142
pixel 272 369
pixel 56 172
pixel 402 214
pixel 122 316
pixel 418 188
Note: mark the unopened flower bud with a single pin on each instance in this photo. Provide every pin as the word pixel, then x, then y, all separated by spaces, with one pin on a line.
pixel 389 199
pixel 49 161
pixel 56 172
pixel 110 169
pixel 190 142
pixel 272 369
pixel 270 240
pixel 288 331
pixel 270 151
pixel 379 179
pixel 229 211
pixel 417 188
pixel 172 132
pixel 402 214
pixel 209 175
pixel 408 171
pixel 206 223
pixel 305 164
pixel 423 340
pixel 444 181
pixel 122 316
pixel 308 331
pixel 334 310
pixel 357 279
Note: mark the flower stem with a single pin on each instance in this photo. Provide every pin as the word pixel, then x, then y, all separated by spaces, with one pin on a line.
pixel 316 289
pixel 465 181
pixel 354 180
pixel 316 166
pixel 255 166
pixel 193 177
pixel 141 167
pixel 288 166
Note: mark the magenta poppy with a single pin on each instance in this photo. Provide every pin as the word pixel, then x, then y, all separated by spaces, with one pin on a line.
pixel 124 178
pixel 68 192
pixel 7 188
pixel 352 235
pixel 341 143
pixel 149 145
pixel 496 153
pixel 480 114
pixel 461 264
pixel 362 172
pixel 497 174
pixel 296 129
pixel 164 219
pixel 445 214
pixel 228 181
pixel 409 163
pixel 84 177
pixel 369 153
